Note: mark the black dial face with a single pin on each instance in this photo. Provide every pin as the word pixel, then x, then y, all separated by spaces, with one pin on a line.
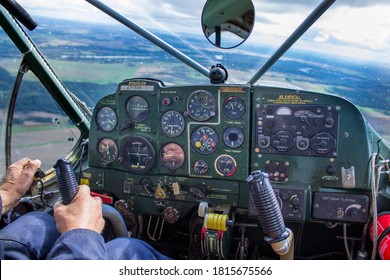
pixel 234 108
pixel 201 167
pixel 137 108
pixel 172 123
pixel 233 137
pixel 201 105
pixel 139 155
pixel 172 156
pixel 107 150
pixel 283 141
pixel 106 119
pixel 147 184
pixel 225 165
pixel 204 140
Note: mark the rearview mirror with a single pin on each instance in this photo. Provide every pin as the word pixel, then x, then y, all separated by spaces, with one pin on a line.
pixel 228 23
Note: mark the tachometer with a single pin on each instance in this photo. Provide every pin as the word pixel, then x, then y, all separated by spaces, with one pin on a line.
pixel 137 108
pixel 107 150
pixel 106 119
pixel 172 123
pixel 201 105
pixel 172 156
pixel 204 140
pixel 139 155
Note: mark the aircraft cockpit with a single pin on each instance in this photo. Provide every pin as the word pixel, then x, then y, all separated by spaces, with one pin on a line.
pixel 256 146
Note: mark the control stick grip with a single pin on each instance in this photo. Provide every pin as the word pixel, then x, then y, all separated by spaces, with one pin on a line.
pixel 66 180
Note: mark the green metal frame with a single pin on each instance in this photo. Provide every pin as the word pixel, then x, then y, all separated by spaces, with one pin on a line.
pixel 40 67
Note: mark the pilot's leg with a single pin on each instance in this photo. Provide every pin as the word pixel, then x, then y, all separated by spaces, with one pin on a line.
pixel 132 249
pixel 29 237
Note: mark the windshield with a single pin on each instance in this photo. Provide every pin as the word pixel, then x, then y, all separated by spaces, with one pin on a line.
pixel 345 53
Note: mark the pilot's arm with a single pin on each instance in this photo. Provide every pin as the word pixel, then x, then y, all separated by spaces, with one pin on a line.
pixel 80 224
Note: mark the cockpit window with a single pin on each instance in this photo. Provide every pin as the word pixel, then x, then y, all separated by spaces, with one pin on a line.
pixel 40 128
pixel 344 53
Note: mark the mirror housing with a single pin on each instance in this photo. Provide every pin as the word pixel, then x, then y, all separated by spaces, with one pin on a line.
pixel 228 23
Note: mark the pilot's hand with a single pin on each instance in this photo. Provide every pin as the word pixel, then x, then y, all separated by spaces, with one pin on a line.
pixel 17 182
pixel 84 212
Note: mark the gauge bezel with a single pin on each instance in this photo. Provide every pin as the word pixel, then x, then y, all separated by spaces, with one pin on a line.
pixel 99 120
pixel 193 140
pixel 178 117
pixel 222 173
pixel 240 132
pixel 129 111
pixel 196 163
pixel 182 159
pixel 228 112
pixel 208 114
pixel 100 153
pixel 138 141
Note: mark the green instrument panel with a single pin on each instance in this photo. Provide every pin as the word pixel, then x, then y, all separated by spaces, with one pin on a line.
pixel 160 146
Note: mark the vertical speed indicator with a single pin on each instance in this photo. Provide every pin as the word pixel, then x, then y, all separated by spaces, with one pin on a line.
pixel 172 123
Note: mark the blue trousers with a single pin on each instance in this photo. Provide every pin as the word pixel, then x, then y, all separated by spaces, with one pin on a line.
pixel 34 236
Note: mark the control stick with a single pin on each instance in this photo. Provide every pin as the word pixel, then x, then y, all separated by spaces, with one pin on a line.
pixel 270 215
pixel 66 180
pixel 67 184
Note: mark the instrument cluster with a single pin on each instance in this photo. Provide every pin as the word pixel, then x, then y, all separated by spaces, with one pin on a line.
pixel 161 147
pixel 192 131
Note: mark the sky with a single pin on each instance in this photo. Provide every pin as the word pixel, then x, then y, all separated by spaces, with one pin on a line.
pixel 356 28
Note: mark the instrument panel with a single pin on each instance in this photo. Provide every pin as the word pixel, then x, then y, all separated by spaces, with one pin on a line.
pixel 159 146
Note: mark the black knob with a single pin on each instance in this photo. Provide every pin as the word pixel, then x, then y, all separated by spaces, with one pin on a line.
pixel 330 170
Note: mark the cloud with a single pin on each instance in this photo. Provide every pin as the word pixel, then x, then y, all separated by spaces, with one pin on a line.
pixel 365 27
pixel 355 24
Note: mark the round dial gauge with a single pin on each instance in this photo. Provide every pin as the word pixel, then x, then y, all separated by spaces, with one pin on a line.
pixel 107 150
pixel 106 119
pixel 172 123
pixel 172 156
pixel 201 167
pixel 204 140
pixel 201 105
pixel 225 165
pixel 233 137
pixel 137 108
pixel 234 108
pixel 139 155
